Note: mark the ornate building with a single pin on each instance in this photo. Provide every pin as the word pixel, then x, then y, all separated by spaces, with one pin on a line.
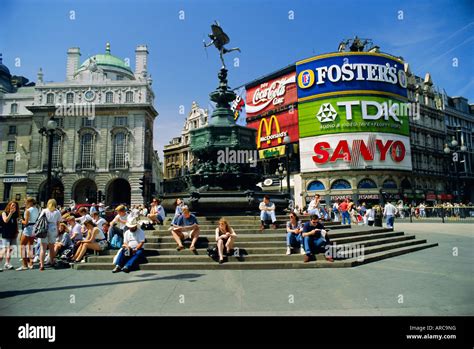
pixel 102 146
pixel 177 154
pixel 15 130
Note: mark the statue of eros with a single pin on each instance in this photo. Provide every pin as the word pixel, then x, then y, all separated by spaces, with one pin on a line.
pixel 219 39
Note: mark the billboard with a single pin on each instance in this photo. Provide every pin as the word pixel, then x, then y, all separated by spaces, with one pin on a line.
pixel 364 150
pixel 270 95
pixel 272 129
pixel 345 73
pixel 353 114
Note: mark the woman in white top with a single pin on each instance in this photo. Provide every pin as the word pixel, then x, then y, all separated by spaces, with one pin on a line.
pixel 54 217
pixel 95 240
pixel 27 239
pixel 225 236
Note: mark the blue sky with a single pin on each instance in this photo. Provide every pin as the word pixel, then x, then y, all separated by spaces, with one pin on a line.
pixel 429 36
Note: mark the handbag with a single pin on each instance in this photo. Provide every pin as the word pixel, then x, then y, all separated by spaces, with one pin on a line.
pixel 40 229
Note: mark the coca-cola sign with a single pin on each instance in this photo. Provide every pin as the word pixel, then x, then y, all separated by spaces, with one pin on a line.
pixel 271 94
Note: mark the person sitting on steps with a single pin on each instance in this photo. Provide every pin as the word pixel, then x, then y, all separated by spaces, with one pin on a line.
pixel 95 240
pixel 186 227
pixel 132 249
pixel 267 212
pixel 293 234
pixel 314 237
pixel 225 237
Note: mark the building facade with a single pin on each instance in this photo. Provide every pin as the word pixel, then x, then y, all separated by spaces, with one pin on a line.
pixel 178 159
pixel 102 143
pixel 15 134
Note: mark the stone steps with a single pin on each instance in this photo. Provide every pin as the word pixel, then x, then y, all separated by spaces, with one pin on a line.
pixel 268 264
pixel 264 250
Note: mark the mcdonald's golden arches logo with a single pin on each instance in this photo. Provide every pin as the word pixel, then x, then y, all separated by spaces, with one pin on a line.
pixel 269 136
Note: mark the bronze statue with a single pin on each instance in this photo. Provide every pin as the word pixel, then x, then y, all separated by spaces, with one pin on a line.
pixel 219 39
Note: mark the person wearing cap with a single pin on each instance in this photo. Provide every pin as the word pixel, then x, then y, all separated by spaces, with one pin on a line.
pixel 118 224
pixel 186 227
pixel 95 240
pixel 101 210
pixel 132 249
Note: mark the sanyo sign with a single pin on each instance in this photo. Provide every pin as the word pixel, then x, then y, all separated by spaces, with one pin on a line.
pixel 358 72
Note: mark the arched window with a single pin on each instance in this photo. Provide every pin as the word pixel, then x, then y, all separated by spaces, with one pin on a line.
pixel 341 184
pixel 87 150
pixel 406 184
pixel 120 149
pixel 129 97
pixel 366 183
pixel 69 97
pixel 315 185
pixel 389 184
pixel 57 151
pixel 109 97
pixel 14 108
pixel 50 98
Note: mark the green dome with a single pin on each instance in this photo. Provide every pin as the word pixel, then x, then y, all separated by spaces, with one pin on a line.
pixel 106 60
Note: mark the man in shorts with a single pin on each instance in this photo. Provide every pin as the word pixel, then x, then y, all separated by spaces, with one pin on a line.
pixel 186 227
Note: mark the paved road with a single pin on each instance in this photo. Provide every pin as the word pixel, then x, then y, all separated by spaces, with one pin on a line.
pixel 427 282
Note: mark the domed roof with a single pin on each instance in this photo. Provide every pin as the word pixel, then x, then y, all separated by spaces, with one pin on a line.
pixel 105 60
pixel 3 68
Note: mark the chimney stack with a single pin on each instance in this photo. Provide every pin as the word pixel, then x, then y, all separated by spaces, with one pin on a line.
pixel 73 60
pixel 141 57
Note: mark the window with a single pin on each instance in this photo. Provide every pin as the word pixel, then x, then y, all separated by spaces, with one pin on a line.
pixel 316 185
pixel 87 150
pixel 120 121
pixel 10 167
pixel 87 122
pixel 12 130
pixel 69 97
pixel 119 77
pixel 11 146
pixel 109 97
pixel 389 184
pixel 367 184
pixel 59 122
pixel 50 98
pixel 120 149
pixel 14 108
pixel 341 184
pixel 56 158
pixel 129 97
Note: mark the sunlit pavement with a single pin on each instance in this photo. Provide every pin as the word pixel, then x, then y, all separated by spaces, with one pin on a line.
pixel 435 281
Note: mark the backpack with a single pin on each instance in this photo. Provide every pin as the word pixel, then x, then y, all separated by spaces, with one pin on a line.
pixel 40 229
pixel 213 253
pixel 116 242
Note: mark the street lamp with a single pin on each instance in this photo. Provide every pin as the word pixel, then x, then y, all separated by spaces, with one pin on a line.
pixel 456 149
pixel 280 173
pixel 287 141
pixel 49 131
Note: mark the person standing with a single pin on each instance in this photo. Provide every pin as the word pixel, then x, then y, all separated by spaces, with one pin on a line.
pixel 343 207
pixel 9 232
pixel 335 211
pixel 389 212
pixel 225 238
pixel 27 239
pixel 54 217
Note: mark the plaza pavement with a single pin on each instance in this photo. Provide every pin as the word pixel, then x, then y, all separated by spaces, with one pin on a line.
pixel 427 282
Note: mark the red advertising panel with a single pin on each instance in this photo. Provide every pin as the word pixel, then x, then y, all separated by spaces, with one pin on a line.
pixel 273 128
pixel 272 94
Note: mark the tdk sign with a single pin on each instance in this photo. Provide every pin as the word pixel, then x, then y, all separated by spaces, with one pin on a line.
pixel 346 73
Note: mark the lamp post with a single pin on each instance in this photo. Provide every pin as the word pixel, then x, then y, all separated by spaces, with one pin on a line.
pixel 49 131
pixel 280 173
pixel 286 141
pixel 456 149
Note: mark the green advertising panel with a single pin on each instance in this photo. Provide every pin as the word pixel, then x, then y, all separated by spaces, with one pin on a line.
pixel 354 114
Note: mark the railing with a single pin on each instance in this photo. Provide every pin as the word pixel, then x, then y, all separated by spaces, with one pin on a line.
pixel 113 165
pixel 441 214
